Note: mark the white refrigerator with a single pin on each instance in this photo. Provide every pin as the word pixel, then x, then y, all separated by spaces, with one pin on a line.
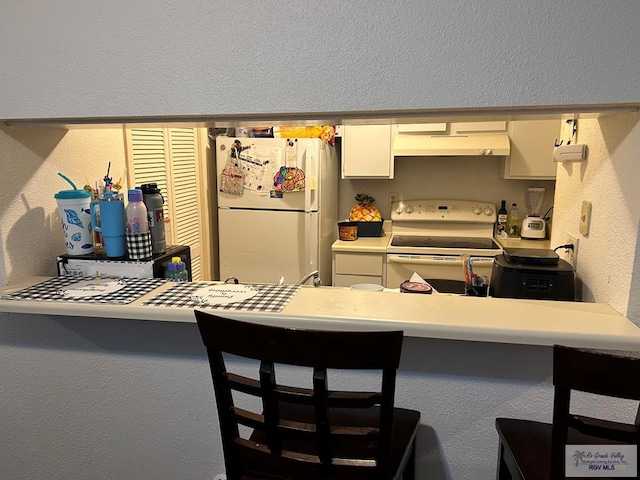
pixel 265 233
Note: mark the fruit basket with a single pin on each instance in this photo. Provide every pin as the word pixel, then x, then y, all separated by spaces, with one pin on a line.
pixel 370 229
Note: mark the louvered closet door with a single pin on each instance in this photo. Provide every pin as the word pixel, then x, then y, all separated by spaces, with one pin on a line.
pixel 169 157
pixel 148 152
pixel 184 179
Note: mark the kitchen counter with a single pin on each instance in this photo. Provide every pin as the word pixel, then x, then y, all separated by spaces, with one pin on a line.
pixel 363 244
pixel 523 243
pixel 499 320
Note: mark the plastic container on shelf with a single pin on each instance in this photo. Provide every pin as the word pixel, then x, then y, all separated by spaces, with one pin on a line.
pixel 176 270
pixel 170 272
pixel 181 270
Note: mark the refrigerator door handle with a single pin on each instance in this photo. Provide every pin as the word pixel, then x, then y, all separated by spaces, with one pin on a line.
pixel 311 244
pixel 306 168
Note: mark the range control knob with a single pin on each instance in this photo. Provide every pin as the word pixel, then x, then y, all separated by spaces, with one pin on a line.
pixel 488 211
pixel 399 208
pixel 476 210
pixel 408 208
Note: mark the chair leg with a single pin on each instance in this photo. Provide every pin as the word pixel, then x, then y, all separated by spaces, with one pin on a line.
pixel 409 472
pixel 502 472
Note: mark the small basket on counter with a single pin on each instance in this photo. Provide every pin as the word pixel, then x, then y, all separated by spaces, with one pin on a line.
pixel 370 229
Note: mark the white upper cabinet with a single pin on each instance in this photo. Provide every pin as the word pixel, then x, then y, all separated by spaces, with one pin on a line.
pixel 532 143
pixel 366 151
pixel 469 128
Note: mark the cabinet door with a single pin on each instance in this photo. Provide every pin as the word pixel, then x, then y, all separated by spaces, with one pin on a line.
pixel 532 144
pixel 461 128
pixel 366 151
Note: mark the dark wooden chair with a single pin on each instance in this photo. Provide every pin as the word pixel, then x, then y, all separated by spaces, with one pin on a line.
pixel 308 431
pixel 531 450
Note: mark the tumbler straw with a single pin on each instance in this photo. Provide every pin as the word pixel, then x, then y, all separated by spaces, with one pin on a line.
pixel 68 180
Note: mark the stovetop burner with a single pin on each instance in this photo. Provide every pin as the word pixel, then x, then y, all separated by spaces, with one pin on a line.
pixel 420 241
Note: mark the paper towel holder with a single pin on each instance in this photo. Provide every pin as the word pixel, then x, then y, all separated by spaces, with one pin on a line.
pixel 570 153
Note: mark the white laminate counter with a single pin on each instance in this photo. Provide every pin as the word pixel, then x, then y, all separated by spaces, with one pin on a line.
pixel 523 243
pixel 362 245
pixel 501 320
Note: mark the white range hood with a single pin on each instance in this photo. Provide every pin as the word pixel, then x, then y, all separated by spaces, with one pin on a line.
pixel 425 145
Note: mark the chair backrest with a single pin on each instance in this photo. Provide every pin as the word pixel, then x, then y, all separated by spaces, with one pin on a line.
pixel 603 372
pixel 302 432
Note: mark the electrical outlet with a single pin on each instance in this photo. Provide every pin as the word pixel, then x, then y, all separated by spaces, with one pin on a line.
pixel 393 197
pixel 570 255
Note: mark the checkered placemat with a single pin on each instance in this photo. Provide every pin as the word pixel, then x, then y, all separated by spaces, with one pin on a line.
pixel 270 298
pixel 49 290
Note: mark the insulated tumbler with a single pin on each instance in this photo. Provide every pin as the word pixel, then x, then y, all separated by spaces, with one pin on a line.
pixel 112 223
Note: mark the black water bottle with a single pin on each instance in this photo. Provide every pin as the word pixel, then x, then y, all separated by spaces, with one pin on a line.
pixel 153 200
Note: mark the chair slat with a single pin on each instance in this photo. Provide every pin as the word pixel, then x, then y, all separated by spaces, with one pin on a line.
pixel 290 464
pixel 616 431
pixel 304 396
pixel 290 427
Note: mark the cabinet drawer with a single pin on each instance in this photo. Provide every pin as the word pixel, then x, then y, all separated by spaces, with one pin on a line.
pixel 348 280
pixel 359 263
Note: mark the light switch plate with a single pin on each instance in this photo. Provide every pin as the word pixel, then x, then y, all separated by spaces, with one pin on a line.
pixel 585 217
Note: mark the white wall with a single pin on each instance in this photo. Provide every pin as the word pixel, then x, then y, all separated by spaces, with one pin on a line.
pixel 609 178
pixel 31 159
pixel 161 57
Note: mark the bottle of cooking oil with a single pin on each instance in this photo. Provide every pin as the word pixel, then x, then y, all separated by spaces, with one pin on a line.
pixel 513 224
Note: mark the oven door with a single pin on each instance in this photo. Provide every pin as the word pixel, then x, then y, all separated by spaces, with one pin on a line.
pixel 443 272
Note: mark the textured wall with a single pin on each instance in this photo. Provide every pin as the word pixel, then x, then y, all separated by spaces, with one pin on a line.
pixel 609 179
pixel 31 159
pixel 125 399
pixel 116 58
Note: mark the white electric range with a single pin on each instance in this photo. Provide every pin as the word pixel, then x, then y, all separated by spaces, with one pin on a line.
pixel 429 237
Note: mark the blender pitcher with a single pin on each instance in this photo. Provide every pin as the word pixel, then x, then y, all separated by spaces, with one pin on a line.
pixel 534 226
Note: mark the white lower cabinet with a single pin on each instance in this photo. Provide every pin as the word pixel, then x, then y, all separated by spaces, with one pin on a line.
pixel 352 268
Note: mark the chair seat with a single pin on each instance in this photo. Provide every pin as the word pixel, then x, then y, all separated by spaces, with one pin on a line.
pixel 527 446
pixel 405 427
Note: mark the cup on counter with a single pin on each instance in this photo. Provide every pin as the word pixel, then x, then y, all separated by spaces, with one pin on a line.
pixel 74 208
pixel 112 223
pixel 476 290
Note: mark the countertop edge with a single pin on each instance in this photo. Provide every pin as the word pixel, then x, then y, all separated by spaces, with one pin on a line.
pixel 543 323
